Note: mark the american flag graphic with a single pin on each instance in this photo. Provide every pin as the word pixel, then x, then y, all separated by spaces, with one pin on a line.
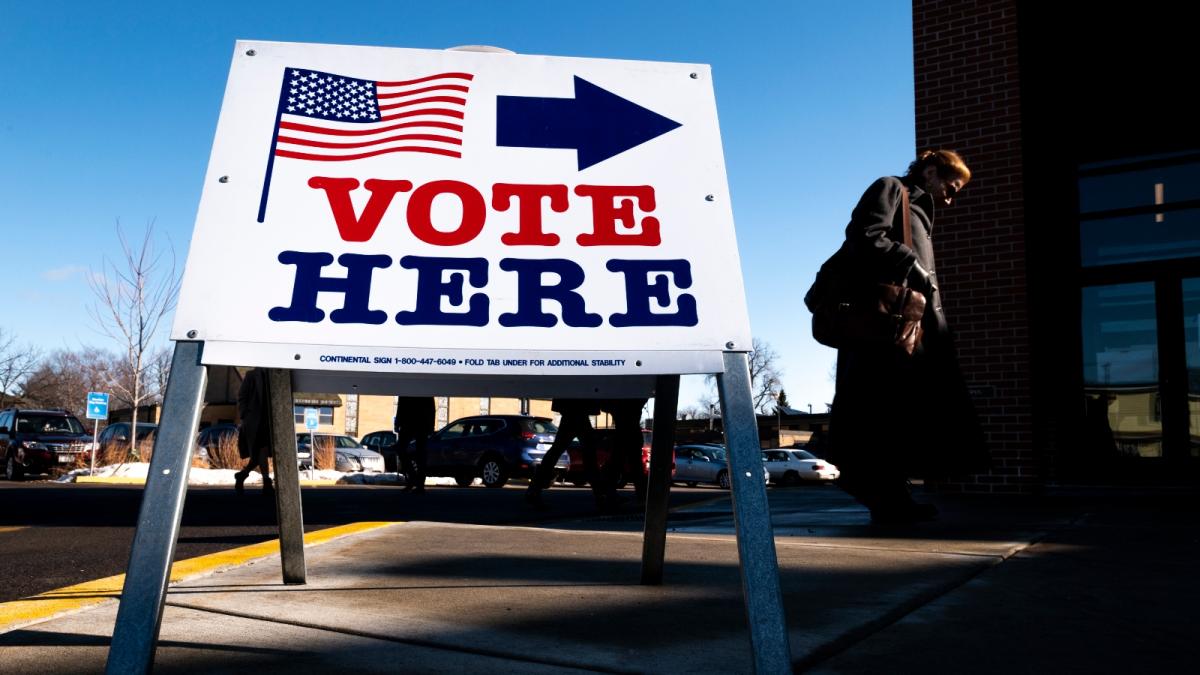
pixel 330 118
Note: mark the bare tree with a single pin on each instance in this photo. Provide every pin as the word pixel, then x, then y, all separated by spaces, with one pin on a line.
pixel 133 297
pixel 64 378
pixel 765 377
pixel 16 363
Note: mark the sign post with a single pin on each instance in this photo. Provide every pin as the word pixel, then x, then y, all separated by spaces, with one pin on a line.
pixel 454 223
pixel 97 409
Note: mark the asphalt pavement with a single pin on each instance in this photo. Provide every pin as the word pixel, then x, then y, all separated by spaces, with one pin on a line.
pixel 1079 583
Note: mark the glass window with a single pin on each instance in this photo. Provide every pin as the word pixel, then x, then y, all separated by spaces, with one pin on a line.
pixel 1120 371
pixel 324 414
pixel 1138 187
pixel 454 431
pixel 1191 329
pixel 539 426
pixel 1139 233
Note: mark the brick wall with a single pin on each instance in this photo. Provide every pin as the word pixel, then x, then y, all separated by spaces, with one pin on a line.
pixel 968 99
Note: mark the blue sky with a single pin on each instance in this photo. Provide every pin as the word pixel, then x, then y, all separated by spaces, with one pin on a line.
pixel 111 109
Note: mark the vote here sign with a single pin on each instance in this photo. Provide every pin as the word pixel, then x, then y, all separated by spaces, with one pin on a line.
pixel 400 210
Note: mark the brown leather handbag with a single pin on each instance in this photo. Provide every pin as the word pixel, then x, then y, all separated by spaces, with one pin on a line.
pixel 848 313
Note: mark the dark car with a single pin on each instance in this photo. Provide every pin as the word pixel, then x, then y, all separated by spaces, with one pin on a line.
pixel 492 447
pixel 383 442
pixel 34 441
pixel 117 434
pixel 217 441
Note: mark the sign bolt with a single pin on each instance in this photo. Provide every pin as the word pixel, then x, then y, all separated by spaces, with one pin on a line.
pixel 707 198
pixel 728 345
pixel 694 76
pixel 192 333
pixel 223 179
pixel 297 357
pixel 250 52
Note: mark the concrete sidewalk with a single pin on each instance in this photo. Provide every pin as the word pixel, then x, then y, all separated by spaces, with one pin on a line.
pixel 1078 584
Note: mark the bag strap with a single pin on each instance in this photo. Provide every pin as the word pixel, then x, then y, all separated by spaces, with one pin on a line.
pixel 907 222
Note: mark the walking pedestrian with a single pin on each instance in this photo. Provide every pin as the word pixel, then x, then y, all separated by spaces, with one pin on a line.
pixel 415 418
pixel 574 423
pixel 896 414
pixel 254 434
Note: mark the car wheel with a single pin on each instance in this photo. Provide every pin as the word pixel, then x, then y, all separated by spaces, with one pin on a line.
pixel 12 470
pixel 790 478
pixel 464 479
pixel 494 472
pixel 690 483
pixel 723 480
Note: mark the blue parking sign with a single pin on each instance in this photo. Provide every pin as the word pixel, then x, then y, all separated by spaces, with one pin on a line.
pixel 311 418
pixel 97 406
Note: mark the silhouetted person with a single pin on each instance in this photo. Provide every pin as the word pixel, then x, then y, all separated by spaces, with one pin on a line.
pixel 574 422
pixel 626 455
pixel 415 417
pixel 896 415
pixel 254 435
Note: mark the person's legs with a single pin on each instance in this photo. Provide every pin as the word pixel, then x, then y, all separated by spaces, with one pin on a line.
pixel 570 427
pixel 417 459
pixel 404 436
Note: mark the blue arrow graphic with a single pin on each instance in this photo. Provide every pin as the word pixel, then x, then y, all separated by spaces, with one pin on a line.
pixel 597 123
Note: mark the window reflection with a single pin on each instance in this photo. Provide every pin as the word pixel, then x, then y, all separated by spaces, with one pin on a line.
pixel 1120 371
pixel 1191 331
pixel 1141 232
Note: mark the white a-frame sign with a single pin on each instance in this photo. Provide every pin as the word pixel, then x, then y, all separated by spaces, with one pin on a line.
pixel 398 221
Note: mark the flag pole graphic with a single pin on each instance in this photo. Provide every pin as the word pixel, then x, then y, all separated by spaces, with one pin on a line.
pixel 262 203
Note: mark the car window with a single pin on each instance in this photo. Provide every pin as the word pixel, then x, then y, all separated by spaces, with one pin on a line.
pixel 484 427
pixel 776 455
pixel 347 442
pixel 454 431
pixel 42 424
pixel 803 454
pixel 145 431
pixel 539 426
pixel 5 419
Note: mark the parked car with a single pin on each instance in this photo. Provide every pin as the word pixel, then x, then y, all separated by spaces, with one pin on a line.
pixel 210 439
pixel 576 474
pixel 117 434
pixel 349 455
pixel 492 447
pixel 704 463
pixel 792 467
pixel 33 441
pixel 384 443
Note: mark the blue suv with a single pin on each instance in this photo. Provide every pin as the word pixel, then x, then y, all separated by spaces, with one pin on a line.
pixel 492 447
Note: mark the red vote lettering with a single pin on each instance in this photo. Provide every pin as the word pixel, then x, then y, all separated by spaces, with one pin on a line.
pixel 350 226
pixel 474 212
pixel 529 213
pixel 606 213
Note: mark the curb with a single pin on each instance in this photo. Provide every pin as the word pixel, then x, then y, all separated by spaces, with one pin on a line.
pixel 61 601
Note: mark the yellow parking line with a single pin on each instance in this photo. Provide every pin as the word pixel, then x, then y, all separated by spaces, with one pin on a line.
pixel 80 596
pixel 12 529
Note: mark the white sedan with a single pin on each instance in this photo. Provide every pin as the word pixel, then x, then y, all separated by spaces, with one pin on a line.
pixel 791 467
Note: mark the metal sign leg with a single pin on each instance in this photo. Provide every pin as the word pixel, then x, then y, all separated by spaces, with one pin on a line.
pixel 752 518
pixel 288 510
pixel 144 594
pixel 658 483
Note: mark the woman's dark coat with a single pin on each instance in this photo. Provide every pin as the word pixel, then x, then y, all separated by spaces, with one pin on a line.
pixel 255 433
pixel 892 412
